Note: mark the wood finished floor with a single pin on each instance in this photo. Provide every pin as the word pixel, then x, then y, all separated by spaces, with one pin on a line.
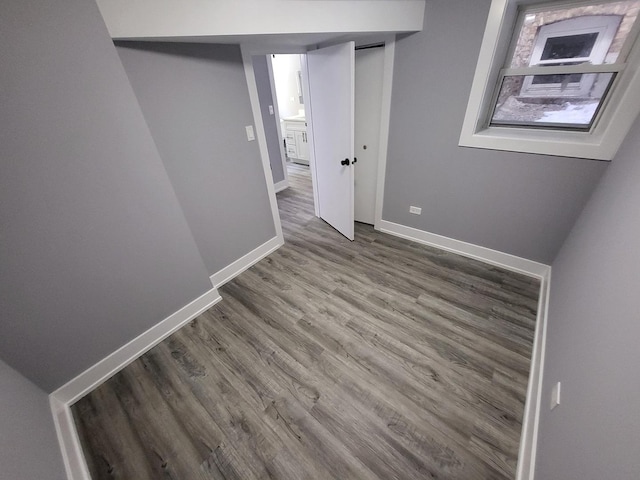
pixel 330 359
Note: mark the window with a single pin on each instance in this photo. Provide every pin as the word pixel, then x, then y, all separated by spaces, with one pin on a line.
pixel 564 84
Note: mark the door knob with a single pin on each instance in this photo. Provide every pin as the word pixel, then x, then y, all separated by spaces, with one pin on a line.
pixel 345 162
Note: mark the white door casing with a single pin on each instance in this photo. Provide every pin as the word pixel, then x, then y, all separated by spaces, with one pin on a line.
pixel 276 112
pixel 331 80
pixel 369 71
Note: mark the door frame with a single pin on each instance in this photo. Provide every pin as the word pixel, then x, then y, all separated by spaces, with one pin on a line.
pixel 385 118
pixel 248 50
pixel 274 99
pixel 308 112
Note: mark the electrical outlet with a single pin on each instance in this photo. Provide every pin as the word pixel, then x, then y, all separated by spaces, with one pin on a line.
pixel 415 210
pixel 270 109
pixel 555 396
pixel 250 134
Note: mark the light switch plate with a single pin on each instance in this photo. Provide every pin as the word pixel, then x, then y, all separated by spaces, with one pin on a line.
pixel 270 109
pixel 250 134
pixel 415 210
pixel 555 396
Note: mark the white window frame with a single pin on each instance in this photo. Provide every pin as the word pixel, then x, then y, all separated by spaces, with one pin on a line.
pixel 600 143
pixel 604 26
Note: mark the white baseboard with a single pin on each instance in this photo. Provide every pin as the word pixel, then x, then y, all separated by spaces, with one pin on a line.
pixel 236 268
pixel 62 399
pixel 487 255
pixel 531 418
pixel 65 396
pixel 70 447
pixel 529 436
pixel 88 380
pixel 281 185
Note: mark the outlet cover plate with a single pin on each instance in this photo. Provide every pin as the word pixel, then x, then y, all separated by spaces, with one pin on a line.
pixel 250 135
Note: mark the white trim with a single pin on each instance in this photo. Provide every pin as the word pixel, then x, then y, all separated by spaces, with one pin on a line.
pixel 385 120
pixel 88 380
pixel 501 13
pixel 531 418
pixel 276 112
pixel 487 255
pixel 65 396
pixel 550 69
pixel 308 110
pixel 283 184
pixel 261 137
pixel 75 464
pixel 236 268
pixel 529 436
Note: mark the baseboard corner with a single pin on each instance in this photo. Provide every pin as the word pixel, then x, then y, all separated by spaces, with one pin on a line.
pixel 281 185
pixel 528 441
pixel 97 374
pixel 73 459
pixel 64 397
pixel 231 271
pixel 533 404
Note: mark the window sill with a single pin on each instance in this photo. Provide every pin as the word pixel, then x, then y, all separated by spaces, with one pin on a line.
pixel 543 142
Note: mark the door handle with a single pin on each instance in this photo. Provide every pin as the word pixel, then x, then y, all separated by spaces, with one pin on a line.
pixel 345 162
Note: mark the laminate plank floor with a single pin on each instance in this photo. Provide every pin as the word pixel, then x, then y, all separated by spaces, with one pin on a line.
pixel 329 359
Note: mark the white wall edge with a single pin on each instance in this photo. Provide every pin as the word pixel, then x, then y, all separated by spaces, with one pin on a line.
pixel 385 120
pixel 531 418
pixel 65 396
pixel 283 184
pixel 276 112
pixel 70 447
pixel 261 137
pixel 487 255
pixel 308 109
pixel 232 21
pixel 236 268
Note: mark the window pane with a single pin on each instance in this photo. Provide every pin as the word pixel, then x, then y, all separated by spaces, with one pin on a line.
pixel 558 78
pixel 594 33
pixel 560 100
pixel 569 46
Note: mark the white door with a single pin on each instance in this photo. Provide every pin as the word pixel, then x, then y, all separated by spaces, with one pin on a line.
pixel 369 74
pixel 331 91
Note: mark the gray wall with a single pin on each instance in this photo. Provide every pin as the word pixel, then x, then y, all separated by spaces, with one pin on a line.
pixel 594 334
pixel 28 444
pixel 263 81
pixel 516 203
pixel 196 103
pixel 94 246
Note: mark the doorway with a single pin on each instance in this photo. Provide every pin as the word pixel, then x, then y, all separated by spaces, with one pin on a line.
pixel 371 127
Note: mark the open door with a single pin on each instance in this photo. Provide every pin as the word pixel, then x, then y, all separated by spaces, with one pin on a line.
pixel 332 91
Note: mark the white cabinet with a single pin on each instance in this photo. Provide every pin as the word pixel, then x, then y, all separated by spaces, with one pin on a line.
pixel 296 140
pixel 302 146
